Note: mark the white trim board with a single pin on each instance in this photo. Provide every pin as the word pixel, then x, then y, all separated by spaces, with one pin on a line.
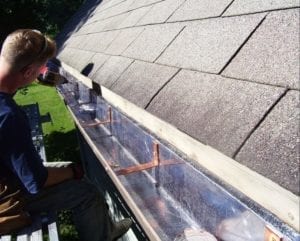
pixel 279 201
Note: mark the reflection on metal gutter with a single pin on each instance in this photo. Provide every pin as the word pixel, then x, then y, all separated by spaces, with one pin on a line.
pixel 171 199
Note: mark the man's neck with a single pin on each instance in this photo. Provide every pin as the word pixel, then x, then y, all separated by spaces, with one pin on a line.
pixel 8 80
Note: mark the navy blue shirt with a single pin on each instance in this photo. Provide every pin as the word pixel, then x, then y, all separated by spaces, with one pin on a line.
pixel 19 160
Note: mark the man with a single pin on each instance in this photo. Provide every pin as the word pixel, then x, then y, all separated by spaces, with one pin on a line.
pixel 24 54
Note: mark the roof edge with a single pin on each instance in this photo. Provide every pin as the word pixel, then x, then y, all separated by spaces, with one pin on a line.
pixel 260 189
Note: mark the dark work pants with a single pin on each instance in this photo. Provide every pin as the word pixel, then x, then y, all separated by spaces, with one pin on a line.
pixel 89 208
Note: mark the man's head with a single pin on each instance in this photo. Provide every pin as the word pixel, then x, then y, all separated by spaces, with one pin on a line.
pixel 25 51
pixel 24 47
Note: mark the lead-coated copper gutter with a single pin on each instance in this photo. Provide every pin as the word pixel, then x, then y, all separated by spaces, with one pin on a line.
pixel 158 185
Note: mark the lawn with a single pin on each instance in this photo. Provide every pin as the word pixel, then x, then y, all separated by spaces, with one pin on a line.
pixel 59 137
pixel 48 101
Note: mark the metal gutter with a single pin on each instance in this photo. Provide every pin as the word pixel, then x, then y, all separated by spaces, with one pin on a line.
pixel 258 188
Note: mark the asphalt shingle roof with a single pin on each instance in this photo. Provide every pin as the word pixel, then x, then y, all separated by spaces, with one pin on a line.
pixel 272 54
pixel 123 40
pixel 273 148
pixel 218 111
pixel 208 45
pixel 141 81
pixel 113 68
pixel 224 72
pixel 152 41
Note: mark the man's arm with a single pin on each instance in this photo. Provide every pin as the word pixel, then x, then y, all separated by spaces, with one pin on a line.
pixel 24 160
pixel 58 174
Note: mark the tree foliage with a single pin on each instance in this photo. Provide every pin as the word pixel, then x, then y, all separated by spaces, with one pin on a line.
pixel 48 16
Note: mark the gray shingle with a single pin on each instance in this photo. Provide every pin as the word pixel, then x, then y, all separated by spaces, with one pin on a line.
pixel 196 9
pixel 99 26
pixel 208 45
pixel 114 22
pixel 106 5
pixel 119 8
pixel 140 82
pixel 160 12
pixel 273 149
pixel 77 58
pixel 98 60
pixel 98 22
pixel 83 30
pixel 96 17
pixel 98 42
pixel 134 16
pixel 250 6
pixel 123 40
pixel 152 42
pixel 65 55
pixel 110 14
pixel 88 42
pixel 111 70
pixel 217 111
pixel 91 27
pixel 74 41
pixel 272 53
pixel 141 3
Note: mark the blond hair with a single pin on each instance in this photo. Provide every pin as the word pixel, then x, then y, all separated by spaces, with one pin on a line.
pixel 24 47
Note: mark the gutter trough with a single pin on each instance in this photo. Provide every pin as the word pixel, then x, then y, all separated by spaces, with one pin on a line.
pixel 169 196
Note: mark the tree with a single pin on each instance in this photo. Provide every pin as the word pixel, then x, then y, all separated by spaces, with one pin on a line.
pixel 48 16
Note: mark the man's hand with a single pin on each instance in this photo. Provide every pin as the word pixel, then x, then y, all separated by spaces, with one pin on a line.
pixel 77 170
pixel 50 78
pixel 58 174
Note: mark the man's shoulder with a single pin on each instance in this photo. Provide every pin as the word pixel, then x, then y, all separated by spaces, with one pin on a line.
pixel 8 109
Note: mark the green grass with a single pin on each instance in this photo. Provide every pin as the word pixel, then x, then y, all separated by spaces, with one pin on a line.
pixel 48 101
pixel 59 137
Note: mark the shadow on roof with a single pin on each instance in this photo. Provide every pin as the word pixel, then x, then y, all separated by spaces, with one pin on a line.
pixel 76 22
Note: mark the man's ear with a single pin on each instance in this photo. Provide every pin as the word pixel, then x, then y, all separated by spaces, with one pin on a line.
pixel 28 72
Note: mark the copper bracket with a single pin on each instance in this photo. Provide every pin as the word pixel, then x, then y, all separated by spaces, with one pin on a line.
pixel 155 162
pixel 98 122
pixel 272 235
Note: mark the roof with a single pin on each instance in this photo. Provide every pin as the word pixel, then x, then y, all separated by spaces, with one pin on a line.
pixel 224 72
